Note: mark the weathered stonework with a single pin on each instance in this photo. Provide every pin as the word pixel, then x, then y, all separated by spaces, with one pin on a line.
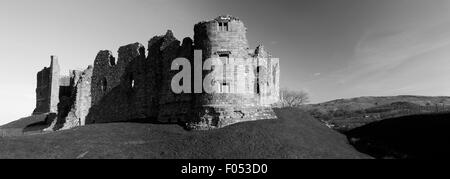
pixel 226 42
pixel 137 87
pixel 81 99
pixel 47 91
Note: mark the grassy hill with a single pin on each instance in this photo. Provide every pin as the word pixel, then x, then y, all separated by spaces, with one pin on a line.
pixel 24 122
pixel 415 136
pixel 347 114
pixel 369 101
pixel 295 135
pixel 25 126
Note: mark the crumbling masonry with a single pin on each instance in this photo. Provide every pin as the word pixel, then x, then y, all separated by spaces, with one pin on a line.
pixel 137 87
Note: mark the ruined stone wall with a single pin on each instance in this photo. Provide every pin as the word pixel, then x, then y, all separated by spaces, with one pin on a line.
pixel 47 90
pixel 54 86
pixel 138 87
pixel 118 88
pixel 76 103
pixel 173 108
pixel 43 92
pixel 269 83
pixel 81 99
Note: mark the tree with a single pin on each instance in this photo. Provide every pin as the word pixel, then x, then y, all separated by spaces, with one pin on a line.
pixel 290 98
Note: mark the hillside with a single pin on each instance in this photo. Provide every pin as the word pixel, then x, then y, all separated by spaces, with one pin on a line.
pixel 24 126
pixel 295 135
pixel 368 101
pixel 347 114
pixel 24 122
pixel 415 136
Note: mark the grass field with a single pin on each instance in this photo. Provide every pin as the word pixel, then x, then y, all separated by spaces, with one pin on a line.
pixel 295 135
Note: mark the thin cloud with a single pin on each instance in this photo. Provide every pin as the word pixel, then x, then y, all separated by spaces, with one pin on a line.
pixel 375 54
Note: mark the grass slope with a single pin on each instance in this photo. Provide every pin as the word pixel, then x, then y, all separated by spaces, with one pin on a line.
pixel 24 122
pixel 24 126
pixel 416 136
pixel 295 135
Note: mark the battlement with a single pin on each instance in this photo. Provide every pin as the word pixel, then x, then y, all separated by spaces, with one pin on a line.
pixel 136 86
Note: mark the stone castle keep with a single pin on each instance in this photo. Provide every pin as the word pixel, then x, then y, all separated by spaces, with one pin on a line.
pixel 137 87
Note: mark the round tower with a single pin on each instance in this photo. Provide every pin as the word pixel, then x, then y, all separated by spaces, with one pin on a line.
pixel 235 98
pixel 224 38
pixel 224 35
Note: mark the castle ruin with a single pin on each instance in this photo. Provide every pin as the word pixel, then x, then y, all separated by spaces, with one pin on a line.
pixel 137 87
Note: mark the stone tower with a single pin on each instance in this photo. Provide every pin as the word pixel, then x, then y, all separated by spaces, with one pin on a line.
pixel 224 36
pixel 240 92
pixel 47 90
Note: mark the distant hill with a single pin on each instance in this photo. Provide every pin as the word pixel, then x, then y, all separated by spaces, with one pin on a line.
pixel 368 102
pixel 346 114
pixel 294 135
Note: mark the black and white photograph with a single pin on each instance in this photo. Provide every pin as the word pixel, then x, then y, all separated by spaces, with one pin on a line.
pixel 223 80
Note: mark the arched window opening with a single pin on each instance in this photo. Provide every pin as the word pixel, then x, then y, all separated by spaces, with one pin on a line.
pixel 112 61
pixel 258 80
pixel 274 75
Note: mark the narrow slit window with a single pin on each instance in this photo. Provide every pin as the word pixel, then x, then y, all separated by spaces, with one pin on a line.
pixel 225 58
pixel 132 81
pixel 225 87
pixel 220 26
pixel 104 85
pixel 258 87
pixel 274 75
pixel 225 25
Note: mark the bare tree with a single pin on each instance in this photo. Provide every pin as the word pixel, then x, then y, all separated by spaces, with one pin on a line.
pixel 290 98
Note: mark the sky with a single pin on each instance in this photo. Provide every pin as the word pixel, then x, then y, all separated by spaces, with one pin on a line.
pixel 330 48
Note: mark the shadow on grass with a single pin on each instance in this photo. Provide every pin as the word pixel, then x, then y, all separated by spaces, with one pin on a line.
pixel 416 136
pixel 295 135
pixel 39 126
pixel 153 121
pixel 36 127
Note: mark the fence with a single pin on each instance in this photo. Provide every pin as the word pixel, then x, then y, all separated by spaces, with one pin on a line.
pixel 11 132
